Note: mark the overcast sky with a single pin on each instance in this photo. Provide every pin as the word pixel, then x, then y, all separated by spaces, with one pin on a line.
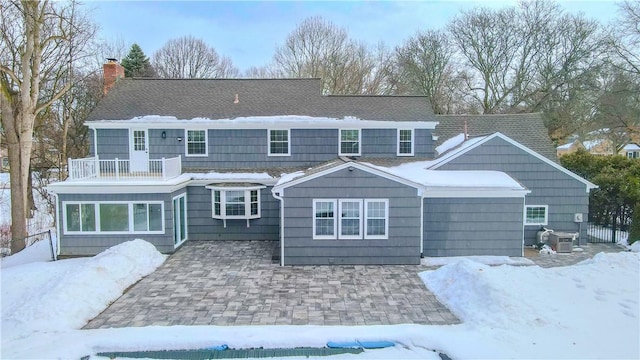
pixel 248 32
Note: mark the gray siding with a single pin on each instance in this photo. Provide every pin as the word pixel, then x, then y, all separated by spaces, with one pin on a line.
pixel 201 226
pixel 549 186
pixel 402 246
pixel 474 226
pixel 91 244
pixel 113 143
pixel 248 148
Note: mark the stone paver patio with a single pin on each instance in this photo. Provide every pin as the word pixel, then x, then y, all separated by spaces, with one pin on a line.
pixel 236 283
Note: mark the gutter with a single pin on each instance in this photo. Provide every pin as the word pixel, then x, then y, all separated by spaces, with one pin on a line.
pixel 279 197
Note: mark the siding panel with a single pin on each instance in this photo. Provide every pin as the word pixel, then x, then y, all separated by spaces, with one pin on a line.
pixel 549 186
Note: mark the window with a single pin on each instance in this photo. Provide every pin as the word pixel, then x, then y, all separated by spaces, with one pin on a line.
pixel 405 142
pixel 235 202
pixel 114 217
pixel 139 140
pixel 196 143
pixel 633 154
pixel 279 143
pixel 349 142
pixel 536 214
pixel 324 222
pixel 376 225
pixel 350 219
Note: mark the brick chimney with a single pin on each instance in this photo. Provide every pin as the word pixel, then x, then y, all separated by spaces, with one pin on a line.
pixel 112 72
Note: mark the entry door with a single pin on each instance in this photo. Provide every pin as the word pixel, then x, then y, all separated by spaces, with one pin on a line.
pixel 139 151
pixel 179 220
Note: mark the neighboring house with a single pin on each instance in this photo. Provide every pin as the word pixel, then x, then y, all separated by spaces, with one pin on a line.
pixel 334 179
pixel 569 148
pixel 632 151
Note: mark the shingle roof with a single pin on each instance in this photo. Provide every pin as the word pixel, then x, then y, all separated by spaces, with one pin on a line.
pixel 214 99
pixel 527 129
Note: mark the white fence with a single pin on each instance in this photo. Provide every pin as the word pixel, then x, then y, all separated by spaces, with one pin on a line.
pixel 94 168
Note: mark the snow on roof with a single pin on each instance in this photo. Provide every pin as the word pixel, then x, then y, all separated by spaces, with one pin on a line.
pixel 450 143
pixel 418 173
pixel 235 176
pixel 285 178
pixel 590 144
pixel 565 146
pixel 631 147
pixel 457 150
pixel 249 119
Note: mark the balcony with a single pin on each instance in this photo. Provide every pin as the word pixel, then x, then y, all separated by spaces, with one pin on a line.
pixel 117 169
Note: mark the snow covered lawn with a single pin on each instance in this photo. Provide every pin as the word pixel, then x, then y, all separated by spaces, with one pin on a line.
pixel 589 310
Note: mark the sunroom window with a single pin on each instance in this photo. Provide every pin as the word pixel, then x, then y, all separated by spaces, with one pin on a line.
pixel 235 201
pixel 113 217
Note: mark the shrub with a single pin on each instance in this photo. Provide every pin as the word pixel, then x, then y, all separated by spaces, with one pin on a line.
pixel 634 232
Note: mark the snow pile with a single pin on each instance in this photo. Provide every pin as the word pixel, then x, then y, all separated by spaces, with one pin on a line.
pixel 547 313
pixel 635 247
pixel 546 250
pixel 450 143
pixel 38 252
pixel 484 259
pixel 66 294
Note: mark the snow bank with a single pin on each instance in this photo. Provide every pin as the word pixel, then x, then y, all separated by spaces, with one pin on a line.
pixel 38 252
pixel 484 259
pixel 68 293
pixel 563 312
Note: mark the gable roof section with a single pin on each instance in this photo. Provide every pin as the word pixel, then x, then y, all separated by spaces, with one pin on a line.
pixel 527 129
pixel 338 165
pixel 214 99
pixel 474 143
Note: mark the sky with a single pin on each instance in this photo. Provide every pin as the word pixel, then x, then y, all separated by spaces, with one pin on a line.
pixel 248 31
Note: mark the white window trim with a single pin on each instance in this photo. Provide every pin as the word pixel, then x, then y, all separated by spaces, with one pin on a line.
pixel 546 215
pixel 386 219
pixel 350 237
pixel 340 143
pixel 335 220
pixel 97 217
pixel 288 142
pixel 186 225
pixel 186 143
pixel 633 154
pixel 223 201
pixel 413 132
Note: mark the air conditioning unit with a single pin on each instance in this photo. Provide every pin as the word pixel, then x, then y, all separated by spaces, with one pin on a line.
pixel 562 242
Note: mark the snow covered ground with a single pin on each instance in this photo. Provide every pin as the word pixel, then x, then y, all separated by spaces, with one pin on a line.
pixel 589 310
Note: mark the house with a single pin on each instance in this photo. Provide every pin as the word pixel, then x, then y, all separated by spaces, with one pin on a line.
pixel 631 151
pixel 333 179
pixel 569 148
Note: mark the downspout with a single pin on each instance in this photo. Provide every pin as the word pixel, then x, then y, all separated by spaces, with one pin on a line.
pixel 95 142
pixel 281 199
pixel 524 220
pixel 58 224
pixel 421 194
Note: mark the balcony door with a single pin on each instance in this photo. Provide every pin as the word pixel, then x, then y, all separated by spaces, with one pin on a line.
pixel 138 150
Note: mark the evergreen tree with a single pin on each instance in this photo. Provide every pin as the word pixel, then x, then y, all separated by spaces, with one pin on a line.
pixel 137 64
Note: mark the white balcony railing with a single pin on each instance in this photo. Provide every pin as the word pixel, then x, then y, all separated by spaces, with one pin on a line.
pixel 116 169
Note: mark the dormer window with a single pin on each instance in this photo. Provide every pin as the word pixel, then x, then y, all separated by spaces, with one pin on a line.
pixel 279 144
pixel 349 142
pixel 235 201
pixel 405 142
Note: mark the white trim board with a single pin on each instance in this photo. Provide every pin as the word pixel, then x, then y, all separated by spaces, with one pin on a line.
pixel 456 153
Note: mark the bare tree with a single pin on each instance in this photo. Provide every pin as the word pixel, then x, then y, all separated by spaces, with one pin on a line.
pixel 627 36
pixel 188 57
pixel 34 56
pixel 318 48
pixel 261 72
pixel 424 63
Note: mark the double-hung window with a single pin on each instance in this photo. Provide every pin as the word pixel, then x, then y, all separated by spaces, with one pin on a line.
pixel 350 219
pixel 235 202
pixel 196 144
pixel 405 142
pixel 536 215
pixel 279 144
pixel 113 217
pixel 349 142
pixel 324 219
